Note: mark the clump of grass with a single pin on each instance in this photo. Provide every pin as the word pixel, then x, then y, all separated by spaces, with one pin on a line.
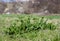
pixel 26 24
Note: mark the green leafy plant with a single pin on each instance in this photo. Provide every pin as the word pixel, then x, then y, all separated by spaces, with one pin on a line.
pixel 25 24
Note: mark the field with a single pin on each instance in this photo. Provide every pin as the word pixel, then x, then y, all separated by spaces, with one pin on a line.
pixel 40 35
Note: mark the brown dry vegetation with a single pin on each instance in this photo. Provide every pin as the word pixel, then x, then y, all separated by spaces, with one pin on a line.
pixel 32 6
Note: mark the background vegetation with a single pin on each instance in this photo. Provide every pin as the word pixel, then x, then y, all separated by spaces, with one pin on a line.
pixel 30 6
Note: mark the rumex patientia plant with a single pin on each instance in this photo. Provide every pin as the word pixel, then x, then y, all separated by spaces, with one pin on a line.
pixel 25 24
